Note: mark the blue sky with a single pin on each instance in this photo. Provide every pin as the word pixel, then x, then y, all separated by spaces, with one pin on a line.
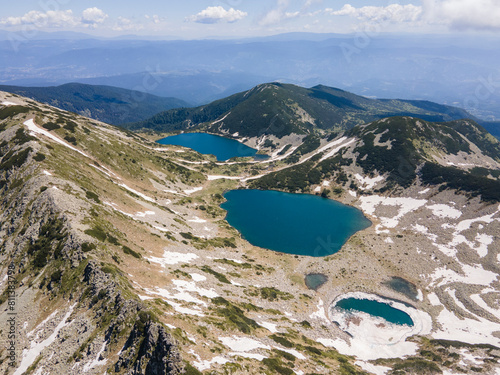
pixel 237 18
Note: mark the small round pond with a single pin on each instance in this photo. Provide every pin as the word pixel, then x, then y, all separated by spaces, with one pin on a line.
pixel 403 286
pixel 300 224
pixel 315 280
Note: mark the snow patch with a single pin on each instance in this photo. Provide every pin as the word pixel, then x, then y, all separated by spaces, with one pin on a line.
pixel 372 369
pixel 336 149
pixel 222 119
pixel 34 129
pixel 473 331
pixel 293 352
pixel 212 178
pixel 197 220
pixel 269 326
pixel 433 299
pixel 96 362
pixel 258 357
pixel 171 258
pixel 31 354
pixel 478 300
pixel 472 275
pixel 484 241
pixel 113 206
pixel 368 183
pixel 100 170
pixel 406 205
pixel 197 277
pixel 445 211
pixel 205 365
pixel 190 286
pixel 424 230
pixel 143 196
pixel 320 313
pixel 242 344
pixel 466 224
pixel 194 190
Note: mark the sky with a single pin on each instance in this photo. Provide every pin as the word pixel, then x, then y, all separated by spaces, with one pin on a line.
pixel 197 19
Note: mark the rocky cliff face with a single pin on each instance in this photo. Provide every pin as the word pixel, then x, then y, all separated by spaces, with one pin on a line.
pixel 154 349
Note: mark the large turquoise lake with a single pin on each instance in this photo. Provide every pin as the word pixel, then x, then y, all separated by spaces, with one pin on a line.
pixel 222 148
pixel 298 224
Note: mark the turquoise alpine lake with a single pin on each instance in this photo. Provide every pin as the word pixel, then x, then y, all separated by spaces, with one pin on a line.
pixel 222 148
pixel 375 308
pixel 299 224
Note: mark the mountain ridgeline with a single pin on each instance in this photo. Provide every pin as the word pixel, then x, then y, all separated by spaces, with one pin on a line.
pixel 282 109
pixel 459 155
pixel 108 104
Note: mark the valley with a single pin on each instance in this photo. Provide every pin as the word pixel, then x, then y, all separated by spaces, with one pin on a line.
pixel 122 246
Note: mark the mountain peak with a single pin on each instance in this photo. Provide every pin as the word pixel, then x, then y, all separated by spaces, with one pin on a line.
pixel 292 109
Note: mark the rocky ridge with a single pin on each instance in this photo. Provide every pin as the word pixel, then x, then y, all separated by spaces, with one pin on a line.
pixel 150 272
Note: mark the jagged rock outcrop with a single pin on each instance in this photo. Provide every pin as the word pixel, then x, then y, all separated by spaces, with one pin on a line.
pixel 150 350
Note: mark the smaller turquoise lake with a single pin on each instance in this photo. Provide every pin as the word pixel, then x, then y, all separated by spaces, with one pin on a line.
pixel 299 224
pixel 375 308
pixel 222 148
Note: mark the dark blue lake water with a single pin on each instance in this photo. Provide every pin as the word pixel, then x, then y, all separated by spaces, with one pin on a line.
pixel 298 224
pixel 375 308
pixel 222 148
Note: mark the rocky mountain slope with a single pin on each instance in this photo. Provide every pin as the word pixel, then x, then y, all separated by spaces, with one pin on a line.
pixel 109 104
pixel 282 109
pixel 121 260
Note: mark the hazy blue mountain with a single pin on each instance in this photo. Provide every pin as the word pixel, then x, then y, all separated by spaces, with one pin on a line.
pixel 444 69
pixel 112 105
pixel 198 87
pixel 492 126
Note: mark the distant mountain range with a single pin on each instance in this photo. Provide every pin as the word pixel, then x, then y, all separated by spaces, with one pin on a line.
pixel 108 104
pixel 445 69
pixel 282 109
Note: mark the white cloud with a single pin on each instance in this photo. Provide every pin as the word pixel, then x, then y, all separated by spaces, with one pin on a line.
pixel 218 14
pixel 278 14
pixel 57 18
pixel 455 14
pixel 93 16
pixel 464 14
pixel 392 13
pixel 51 18
pixel 126 24
pixel 310 3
